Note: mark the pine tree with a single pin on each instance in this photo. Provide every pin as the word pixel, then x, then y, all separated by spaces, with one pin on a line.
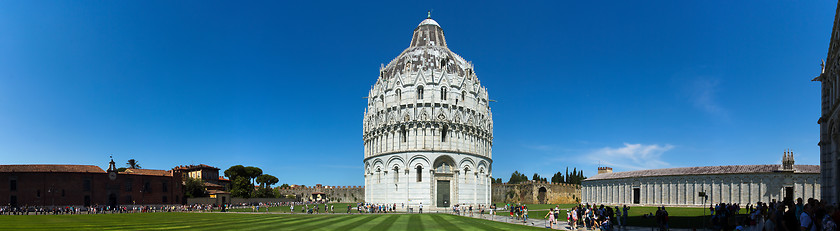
pixel 566 180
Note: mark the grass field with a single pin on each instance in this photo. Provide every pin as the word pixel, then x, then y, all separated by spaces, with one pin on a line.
pixel 234 221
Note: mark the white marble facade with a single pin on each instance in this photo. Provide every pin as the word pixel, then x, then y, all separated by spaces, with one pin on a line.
pixel 428 126
pixel 830 117
pixel 741 184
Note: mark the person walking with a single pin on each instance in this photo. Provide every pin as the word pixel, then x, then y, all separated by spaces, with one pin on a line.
pixel 550 217
pixel 524 214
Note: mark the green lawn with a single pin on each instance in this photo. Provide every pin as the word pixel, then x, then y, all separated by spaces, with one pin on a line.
pixel 678 217
pixel 234 221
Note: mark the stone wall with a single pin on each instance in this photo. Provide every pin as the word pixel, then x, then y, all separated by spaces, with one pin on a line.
pixel 534 192
pixel 333 193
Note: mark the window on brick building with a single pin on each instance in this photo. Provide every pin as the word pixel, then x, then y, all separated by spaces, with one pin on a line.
pixel 86 185
pixel 147 187
pixel 62 193
pixel 38 193
pixel 13 185
pixel 164 186
pixel 128 185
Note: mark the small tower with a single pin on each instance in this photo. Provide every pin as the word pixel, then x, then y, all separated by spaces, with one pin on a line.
pixel 604 170
pixel 111 166
pixel 787 161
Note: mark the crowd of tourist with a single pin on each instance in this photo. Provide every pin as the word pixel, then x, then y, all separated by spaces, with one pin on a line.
pixel 465 209
pixel 810 215
pixel 97 209
pixel 602 217
pixel 379 208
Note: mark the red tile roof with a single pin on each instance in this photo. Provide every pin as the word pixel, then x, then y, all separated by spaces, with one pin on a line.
pixel 195 167
pixel 705 170
pixel 223 179
pixel 149 172
pixel 211 192
pixel 51 168
pixel 208 184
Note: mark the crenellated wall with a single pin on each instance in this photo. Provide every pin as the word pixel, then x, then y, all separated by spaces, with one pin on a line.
pixel 529 193
pixel 333 193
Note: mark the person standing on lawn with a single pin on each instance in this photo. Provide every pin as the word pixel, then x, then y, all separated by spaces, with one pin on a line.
pixel 624 218
pixel 618 216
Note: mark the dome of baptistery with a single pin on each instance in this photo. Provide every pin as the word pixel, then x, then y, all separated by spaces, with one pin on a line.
pixel 428 129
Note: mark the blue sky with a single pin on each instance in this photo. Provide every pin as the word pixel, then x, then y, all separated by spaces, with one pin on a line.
pixel 279 85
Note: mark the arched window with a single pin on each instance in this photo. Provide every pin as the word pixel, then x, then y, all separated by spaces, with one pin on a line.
pixel 378 175
pixel 443 93
pixel 420 92
pixel 396 174
pixel 463 95
pixel 466 175
pixel 399 95
pixel 419 173
pixel 404 134
pixel 443 133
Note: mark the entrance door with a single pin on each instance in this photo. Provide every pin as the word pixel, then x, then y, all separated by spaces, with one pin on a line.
pixel 13 201
pixel 789 193
pixel 541 195
pixel 636 196
pixel 112 200
pixel 443 193
pixel 87 201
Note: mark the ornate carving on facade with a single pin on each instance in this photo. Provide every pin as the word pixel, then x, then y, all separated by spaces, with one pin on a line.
pixel 440 101
pixel 829 116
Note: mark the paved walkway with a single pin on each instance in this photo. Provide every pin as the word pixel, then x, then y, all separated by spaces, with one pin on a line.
pixel 561 225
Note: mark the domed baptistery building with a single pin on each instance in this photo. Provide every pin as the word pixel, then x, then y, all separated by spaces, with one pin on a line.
pixel 428 130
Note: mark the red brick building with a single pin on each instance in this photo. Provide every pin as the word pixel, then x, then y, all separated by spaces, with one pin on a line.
pixel 86 185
